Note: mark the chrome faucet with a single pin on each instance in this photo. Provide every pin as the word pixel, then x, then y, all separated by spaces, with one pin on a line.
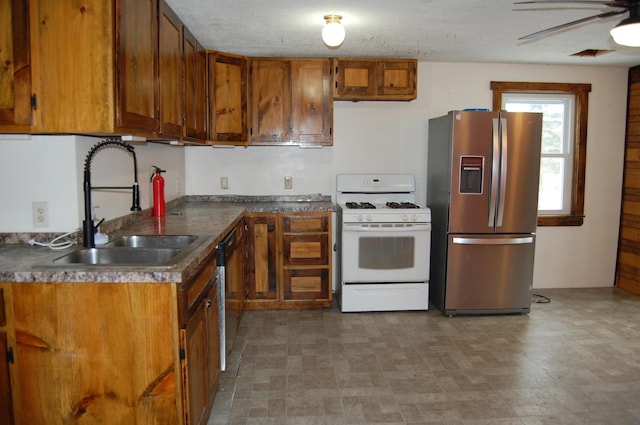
pixel 88 228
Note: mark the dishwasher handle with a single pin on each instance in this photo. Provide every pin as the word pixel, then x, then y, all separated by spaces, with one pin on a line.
pixel 226 247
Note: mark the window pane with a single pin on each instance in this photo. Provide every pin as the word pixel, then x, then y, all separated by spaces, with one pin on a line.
pixel 551 192
pixel 552 121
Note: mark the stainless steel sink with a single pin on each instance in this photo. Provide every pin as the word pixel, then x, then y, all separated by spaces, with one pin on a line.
pixel 120 256
pixel 153 241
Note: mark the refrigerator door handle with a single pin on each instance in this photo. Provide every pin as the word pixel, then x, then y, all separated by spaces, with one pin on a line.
pixel 493 192
pixel 503 170
pixel 493 241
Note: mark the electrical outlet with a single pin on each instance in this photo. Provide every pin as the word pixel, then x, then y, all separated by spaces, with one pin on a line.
pixel 224 183
pixel 288 182
pixel 40 214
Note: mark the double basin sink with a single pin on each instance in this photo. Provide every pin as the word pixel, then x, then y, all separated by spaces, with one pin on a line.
pixel 134 250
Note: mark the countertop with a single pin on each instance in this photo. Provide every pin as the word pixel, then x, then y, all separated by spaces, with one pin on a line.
pixel 203 216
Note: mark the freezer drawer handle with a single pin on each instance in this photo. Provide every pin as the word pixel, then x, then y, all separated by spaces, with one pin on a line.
pixel 481 241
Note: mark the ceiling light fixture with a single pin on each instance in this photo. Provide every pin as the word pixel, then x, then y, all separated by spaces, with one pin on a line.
pixel 627 32
pixel 333 31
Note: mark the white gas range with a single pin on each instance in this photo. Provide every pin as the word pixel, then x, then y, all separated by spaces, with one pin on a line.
pixel 384 240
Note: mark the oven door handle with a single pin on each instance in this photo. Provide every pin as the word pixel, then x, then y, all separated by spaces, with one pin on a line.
pixel 404 228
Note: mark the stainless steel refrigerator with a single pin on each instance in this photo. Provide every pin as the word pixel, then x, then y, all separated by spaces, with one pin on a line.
pixel 482 188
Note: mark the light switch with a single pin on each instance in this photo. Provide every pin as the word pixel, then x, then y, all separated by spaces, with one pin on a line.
pixel 288 182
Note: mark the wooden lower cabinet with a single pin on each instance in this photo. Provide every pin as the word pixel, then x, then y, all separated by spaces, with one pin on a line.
pixel 116 353
pixel 289 260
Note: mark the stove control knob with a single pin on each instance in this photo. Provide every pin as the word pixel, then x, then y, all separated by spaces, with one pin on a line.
pixel 405 217
pixel 369 217
pixel 414 218
pixel 360 217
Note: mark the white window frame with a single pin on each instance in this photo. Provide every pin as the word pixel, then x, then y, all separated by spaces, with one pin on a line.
pixel 565 153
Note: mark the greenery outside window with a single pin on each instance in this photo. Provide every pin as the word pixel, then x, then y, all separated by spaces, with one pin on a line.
pixel 564 147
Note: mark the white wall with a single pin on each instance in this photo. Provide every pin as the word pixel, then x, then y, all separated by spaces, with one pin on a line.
pixel 50 169
pixel 392 136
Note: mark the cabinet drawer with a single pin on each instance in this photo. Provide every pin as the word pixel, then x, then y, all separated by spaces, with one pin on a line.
pixel 306 284
pixel 302 250
pixel 194 289
pixel 305 223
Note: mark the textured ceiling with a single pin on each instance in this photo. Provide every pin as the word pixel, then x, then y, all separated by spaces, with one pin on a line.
pixel 429 30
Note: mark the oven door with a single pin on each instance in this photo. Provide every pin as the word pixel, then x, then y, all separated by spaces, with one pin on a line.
pixel 385 252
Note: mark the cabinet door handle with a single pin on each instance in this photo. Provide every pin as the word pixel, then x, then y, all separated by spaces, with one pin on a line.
pixel 209 303
pixel 271 228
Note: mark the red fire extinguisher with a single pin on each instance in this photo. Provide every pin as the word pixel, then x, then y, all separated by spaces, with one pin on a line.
pixel 158 191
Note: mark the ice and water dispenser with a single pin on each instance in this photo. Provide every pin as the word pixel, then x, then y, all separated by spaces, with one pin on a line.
pixel 471 172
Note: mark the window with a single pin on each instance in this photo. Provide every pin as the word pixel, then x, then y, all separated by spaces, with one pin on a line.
pixel 564 143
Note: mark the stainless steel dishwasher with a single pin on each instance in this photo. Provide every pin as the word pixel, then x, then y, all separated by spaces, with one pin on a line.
pixel 232 289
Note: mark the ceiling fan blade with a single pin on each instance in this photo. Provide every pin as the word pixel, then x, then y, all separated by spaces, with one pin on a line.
pixel 572 23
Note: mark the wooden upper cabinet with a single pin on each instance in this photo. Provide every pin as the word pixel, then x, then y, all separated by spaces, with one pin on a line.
pixel 15 72
pixel 195 88
pixel 100 68
pixel 170 73
pixel 227 99
pixel 375 79
pixel 291 102
pixel 136 61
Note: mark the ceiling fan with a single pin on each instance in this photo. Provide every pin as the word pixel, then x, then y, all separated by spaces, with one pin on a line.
pixel 626 33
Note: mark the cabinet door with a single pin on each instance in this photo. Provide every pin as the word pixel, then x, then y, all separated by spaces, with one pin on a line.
pixel 227 99
pixel 194 366
pixel 261 258
pixel 79 344
pixel 195 88
pixel 136 59
pixel 397 79
pixel 355 79
pixel 270 102
pixel 6 408
pixel 311 104
pixel 15 73
pixel 6 400
pixel 170 73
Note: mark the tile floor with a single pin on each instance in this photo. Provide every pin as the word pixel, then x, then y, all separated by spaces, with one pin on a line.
pixel 575 360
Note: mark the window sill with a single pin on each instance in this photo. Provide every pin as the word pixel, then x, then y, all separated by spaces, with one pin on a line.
pixel 560 220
